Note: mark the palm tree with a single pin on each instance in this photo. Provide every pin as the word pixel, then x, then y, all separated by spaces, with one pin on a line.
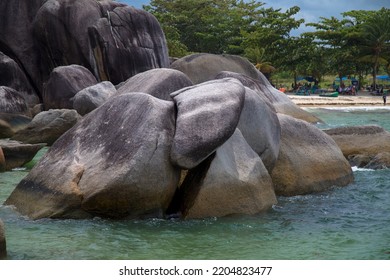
pixel 375 40
pixel 257 56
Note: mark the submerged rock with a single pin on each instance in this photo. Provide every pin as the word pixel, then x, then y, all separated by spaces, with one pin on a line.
pixel 207 115
pixel 236 182
pixel 47 126
pixel 113 163
pixel 309 160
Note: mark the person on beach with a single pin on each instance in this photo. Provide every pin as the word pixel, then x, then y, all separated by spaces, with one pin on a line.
pixel 384 97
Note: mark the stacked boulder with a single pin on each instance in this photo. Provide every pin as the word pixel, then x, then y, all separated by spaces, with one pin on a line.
pixel 132 137
pixel 125 159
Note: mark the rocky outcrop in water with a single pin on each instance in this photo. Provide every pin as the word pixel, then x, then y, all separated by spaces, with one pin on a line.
pixel 123 159
pixel 309 160
pixel 17 154
pixel 363 146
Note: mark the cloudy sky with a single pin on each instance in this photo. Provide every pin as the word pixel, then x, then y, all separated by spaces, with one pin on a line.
pixel 311 10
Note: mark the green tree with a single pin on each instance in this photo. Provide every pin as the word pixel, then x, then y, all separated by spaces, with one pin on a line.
pixel 374 45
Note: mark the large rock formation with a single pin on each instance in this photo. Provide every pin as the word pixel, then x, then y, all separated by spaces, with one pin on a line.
pixel 363 146
pixel 236 182
pixel 114 41
pixel 207 116
pixel 64 83
pixel 309 160
pixel 113 163
pixel 157 82
pixel 47 126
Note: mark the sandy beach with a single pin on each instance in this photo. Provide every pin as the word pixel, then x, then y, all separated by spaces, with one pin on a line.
pixel 361 99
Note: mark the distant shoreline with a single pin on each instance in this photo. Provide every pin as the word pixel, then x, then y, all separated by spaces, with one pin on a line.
pixel 361 99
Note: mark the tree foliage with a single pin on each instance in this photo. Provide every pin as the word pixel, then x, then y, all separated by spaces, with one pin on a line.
pixel 352 45
pixel 223 26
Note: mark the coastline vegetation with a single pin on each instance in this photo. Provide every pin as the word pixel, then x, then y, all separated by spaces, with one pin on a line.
pixel 357 45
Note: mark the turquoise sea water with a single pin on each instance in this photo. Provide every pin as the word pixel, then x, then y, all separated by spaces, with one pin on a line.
pixel 343 223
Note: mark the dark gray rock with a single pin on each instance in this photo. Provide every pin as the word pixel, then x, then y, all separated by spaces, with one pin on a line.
pixel 157 82
pixel 3 243
pixel 207 116
pixel 17 154
pixel 280 101
pixel 12 101
pixel 236 182
pixel 113 163
pixel 47 126
pixel 11 75
pixel 112 40
pixel 92 97
pixel 259 124
pixel 64 83
pixel 309 160
pixel 17 40
pixel 127 41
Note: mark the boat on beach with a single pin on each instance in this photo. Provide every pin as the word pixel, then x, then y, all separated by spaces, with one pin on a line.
pixel 330 94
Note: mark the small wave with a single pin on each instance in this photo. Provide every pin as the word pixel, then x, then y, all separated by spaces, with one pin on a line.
pixel 357 169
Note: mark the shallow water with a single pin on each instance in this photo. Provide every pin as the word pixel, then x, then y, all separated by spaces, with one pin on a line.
pixel 343 223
